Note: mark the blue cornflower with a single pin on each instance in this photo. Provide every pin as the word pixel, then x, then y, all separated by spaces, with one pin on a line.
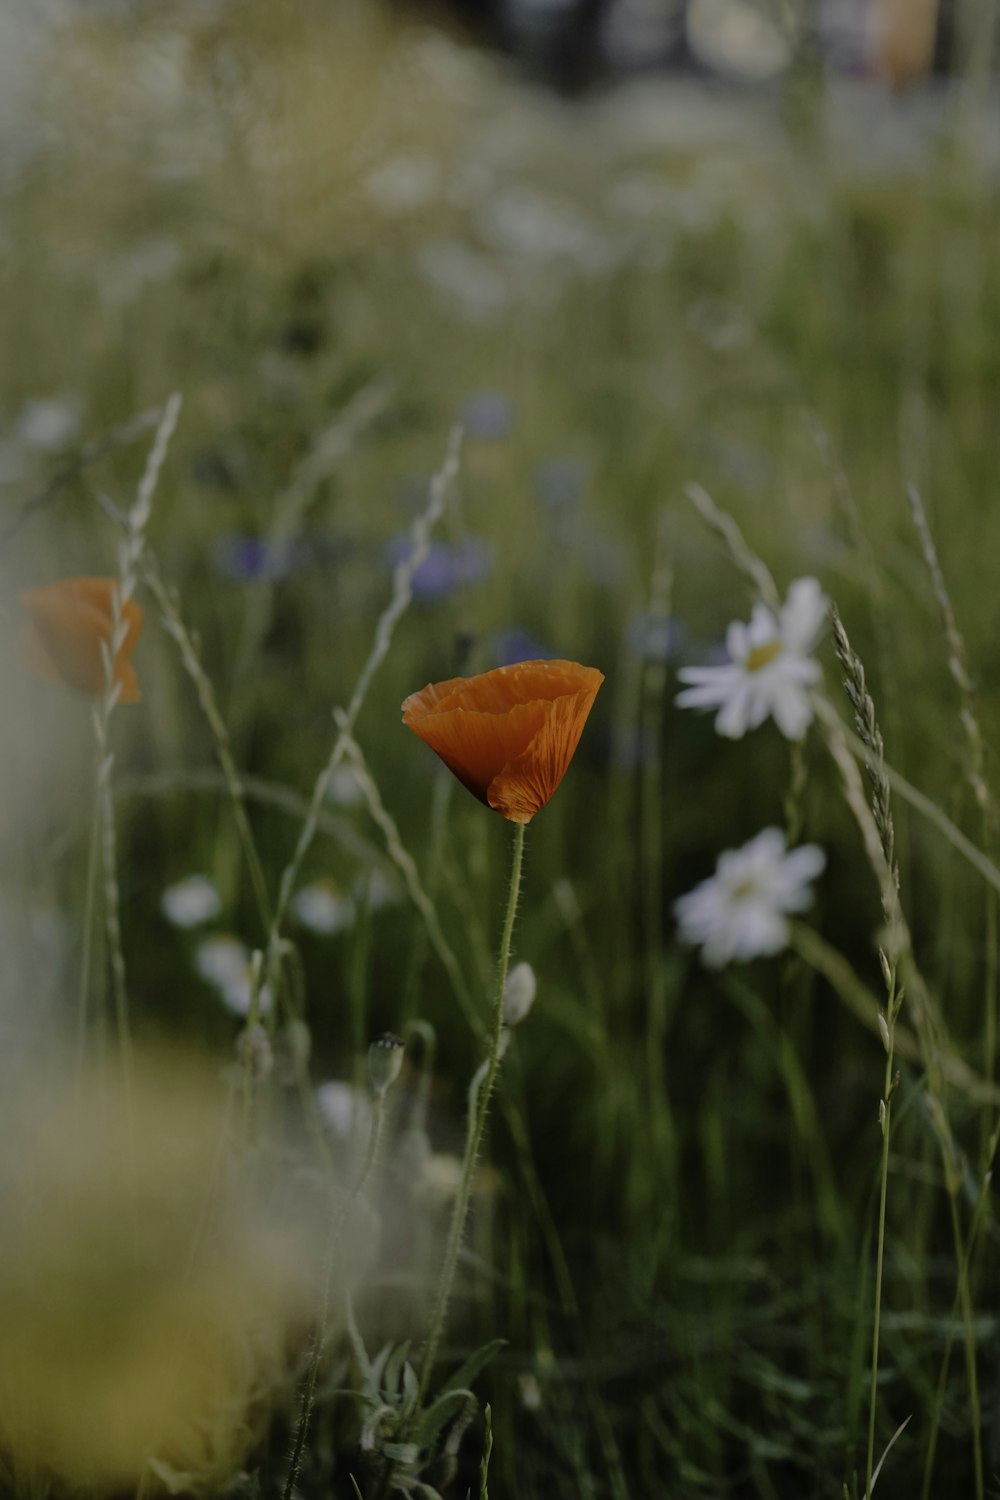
pixel 488 414
pixel 447 566
pixel 255 559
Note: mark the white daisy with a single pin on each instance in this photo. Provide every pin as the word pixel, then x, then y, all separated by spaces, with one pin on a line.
pixel 742 911
pixel 770 671
pixel 191 901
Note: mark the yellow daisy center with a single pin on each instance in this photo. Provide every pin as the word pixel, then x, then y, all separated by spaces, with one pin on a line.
pixel 761 655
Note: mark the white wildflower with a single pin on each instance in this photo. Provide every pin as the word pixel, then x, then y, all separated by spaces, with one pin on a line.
pixel 221 959
pixel 467 280
pixel 224 963
pixel 322 908
pixel 375 889
pixel 531 1391
pixel 742 911
pixel 191 901
pixel 48 425
pixel 518 994
pixel 344 788
pixel 237 995
pixel 345 1110
pixel 439 1179
pixel 771 670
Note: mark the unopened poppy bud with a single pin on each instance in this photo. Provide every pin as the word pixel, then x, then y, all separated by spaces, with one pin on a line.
pixel 518 994
pixel 385 1059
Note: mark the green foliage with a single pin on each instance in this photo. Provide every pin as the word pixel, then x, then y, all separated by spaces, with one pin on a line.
pixel 675 1231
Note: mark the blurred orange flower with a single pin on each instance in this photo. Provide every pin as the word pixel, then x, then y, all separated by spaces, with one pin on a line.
pixel 66 622
pixel 508 735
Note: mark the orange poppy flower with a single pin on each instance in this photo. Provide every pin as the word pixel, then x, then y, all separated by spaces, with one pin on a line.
pixel 65 626
pixel 508 735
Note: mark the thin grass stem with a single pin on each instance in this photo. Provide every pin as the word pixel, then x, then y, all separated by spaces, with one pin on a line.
pixel 405 864
pixel 968 1338
pixel 112 914
pixel 885 1119
pixel 86 955
pixel 187 645
pixel 402 594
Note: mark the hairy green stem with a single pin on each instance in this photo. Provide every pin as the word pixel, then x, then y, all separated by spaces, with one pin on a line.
pixel 478 1108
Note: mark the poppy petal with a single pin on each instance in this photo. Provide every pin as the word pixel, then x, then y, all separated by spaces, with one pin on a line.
pixel 525 785
pixel 67 624
pixel 510 734
pixel 477 746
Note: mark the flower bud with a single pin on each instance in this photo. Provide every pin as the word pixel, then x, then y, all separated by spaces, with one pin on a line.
pixel 518 994
pixel 385 1059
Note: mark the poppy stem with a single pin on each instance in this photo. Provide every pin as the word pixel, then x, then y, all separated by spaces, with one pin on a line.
pixel 479 1102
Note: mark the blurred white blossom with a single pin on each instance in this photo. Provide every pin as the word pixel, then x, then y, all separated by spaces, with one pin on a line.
pixel 518 994
pixel 742 911
pixel 439 1179
pixel 770 671
pixel 344 788
pixel 375 889
pixel 404 184
pixel 224 963
pixel 467 281
pixel 345 1110
pixel 191 901
pixel 323 908
pixel 49 425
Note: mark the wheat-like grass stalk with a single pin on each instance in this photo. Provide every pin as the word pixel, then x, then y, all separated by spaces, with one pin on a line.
pixel 722 525
pixel 897 958
pixel 406 865
pixel 130 547
pixel 402 594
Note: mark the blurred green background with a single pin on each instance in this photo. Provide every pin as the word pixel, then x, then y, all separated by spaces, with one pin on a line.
pixel 337 230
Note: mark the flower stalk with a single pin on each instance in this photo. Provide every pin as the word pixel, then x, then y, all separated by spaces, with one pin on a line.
pixel 479 1102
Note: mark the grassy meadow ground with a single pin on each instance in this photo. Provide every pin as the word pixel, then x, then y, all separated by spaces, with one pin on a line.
pixel 335 235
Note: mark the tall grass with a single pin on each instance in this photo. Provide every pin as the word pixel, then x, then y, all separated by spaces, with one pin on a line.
pixel 687 1260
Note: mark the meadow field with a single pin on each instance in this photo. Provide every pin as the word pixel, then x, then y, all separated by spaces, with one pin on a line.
pixel 335 1160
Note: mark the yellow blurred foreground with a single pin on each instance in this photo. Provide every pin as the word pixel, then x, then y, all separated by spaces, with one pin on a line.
pixel 148 1282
